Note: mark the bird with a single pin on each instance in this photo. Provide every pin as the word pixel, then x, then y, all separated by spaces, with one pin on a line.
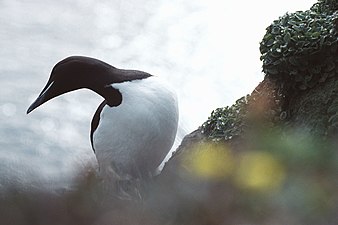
pixel 135 125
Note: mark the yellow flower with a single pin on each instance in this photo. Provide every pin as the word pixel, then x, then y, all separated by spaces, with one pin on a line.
pixel 259 171
pixel 209 161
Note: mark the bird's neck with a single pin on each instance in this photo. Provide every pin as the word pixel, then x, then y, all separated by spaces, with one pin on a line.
pixel 112 95
pixel 111 76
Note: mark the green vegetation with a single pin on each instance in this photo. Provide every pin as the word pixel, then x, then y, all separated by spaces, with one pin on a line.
pixel 299 49
pixel 228 122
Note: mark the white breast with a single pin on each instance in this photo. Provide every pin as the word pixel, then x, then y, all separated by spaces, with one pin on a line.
pixel 133 138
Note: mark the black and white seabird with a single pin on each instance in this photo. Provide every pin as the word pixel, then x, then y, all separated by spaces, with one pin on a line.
pixel 134 127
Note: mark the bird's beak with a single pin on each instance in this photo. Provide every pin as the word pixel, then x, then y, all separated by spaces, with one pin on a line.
pixel 43 97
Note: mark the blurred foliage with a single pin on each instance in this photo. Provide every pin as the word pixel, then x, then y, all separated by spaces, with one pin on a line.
pixel 209 161
pixel 273 178
pixel 252 170
pixel 299 49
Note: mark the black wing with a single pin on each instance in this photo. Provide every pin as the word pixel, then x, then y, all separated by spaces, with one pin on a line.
pixel 95 121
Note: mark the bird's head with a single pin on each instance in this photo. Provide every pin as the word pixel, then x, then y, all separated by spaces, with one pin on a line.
pixel 78 72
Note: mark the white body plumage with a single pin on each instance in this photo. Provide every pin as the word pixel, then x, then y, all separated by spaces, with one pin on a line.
pixel 134 137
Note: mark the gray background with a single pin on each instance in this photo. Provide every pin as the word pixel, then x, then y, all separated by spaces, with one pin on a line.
pixel 208 50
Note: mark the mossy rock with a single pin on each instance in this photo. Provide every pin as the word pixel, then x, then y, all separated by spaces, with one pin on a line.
pixel 299 49
pixel 262 108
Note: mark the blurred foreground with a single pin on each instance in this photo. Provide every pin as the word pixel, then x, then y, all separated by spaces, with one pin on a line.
pixel 273 178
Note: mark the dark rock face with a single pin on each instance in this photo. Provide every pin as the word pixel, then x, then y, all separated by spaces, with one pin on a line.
pixel 283 147
pixel 315 110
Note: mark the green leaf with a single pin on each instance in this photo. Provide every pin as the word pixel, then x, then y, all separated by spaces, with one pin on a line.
pixel 287 37
pixel 297 28
pixel 299 16
pixel 292 23
pixel 275 30
pixel 270 42
pixel 315 35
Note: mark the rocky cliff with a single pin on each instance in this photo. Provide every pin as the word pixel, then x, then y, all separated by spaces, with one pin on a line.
pixel 271 157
